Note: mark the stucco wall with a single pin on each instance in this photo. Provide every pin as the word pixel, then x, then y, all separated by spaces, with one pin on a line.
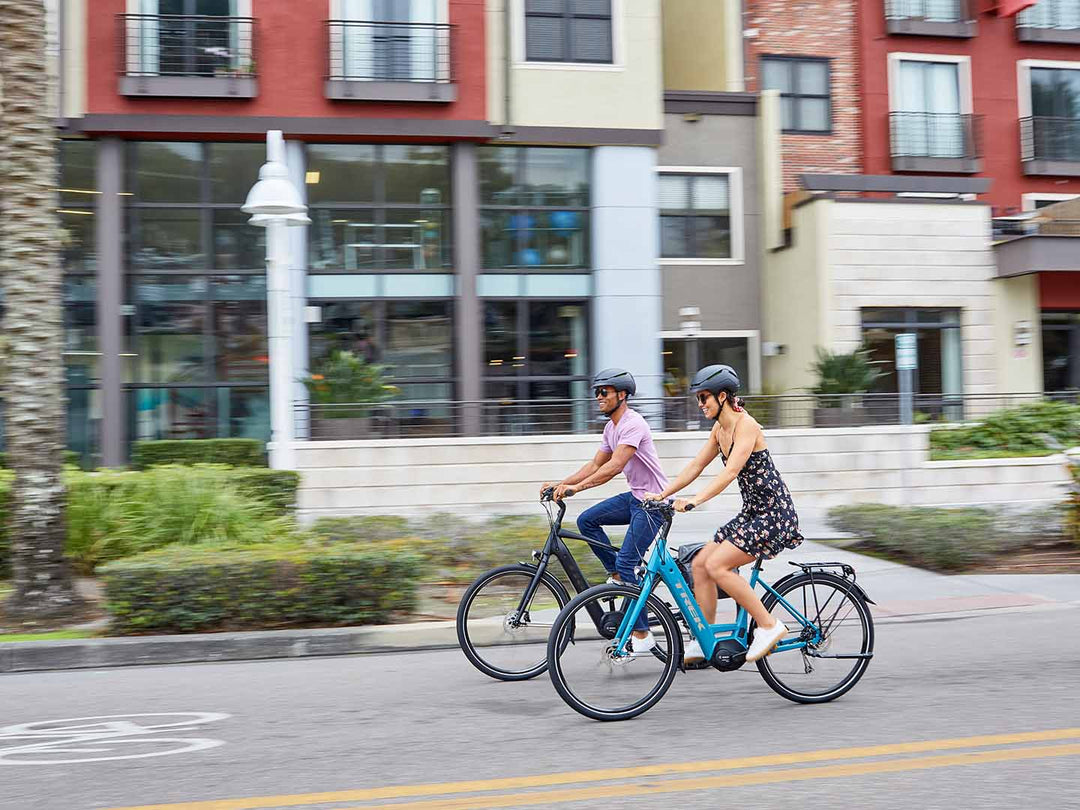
pixel 624 95
pixel 698 36
pixel 1019 367
pixel 822 467
pixel 898 254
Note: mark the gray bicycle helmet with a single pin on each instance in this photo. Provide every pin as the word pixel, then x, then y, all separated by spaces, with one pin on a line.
pixel 716 378
pixel 618 378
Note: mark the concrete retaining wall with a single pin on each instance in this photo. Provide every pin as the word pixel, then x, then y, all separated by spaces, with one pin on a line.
pixel 823 467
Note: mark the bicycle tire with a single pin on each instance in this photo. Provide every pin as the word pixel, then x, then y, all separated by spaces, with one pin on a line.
pixel 767 667
pixel 561 632
pixel 473 651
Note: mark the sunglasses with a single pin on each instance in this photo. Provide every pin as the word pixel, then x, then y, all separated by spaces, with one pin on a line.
pixel 602 392
pixel 703 398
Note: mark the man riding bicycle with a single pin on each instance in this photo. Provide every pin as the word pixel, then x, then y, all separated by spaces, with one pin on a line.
pixel 626 447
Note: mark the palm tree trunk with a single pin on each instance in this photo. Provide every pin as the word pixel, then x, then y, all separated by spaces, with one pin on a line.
pixel 31 277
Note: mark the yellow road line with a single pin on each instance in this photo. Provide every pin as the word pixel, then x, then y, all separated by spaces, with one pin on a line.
pixel 573 777
pixel 737 780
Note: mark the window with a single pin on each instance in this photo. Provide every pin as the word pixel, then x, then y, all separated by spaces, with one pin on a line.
pixel 1036 199
pixel 535 207
pixel 568 31
pixel 803 83
pixel 1061 350
pixel 376 208
pixel 697 215
pixel 537 350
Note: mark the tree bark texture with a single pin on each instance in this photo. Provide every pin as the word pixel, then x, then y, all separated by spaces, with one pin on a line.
pixel 34 426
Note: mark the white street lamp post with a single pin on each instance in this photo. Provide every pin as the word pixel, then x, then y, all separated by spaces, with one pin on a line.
pixel 274 204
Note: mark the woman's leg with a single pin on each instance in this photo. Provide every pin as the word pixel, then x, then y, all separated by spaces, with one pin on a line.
pixel 719 568
pixel 704 587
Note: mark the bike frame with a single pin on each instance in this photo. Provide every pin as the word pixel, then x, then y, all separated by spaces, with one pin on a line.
pixel 661 567
pixel 555 547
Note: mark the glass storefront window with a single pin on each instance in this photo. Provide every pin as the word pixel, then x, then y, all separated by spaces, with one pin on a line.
pixel 167 239
pixel 80 330
pixel 169 339
pixel 419 339
pixel 243 413
pixel 239 318
pixel 78 173
pixel 556 339
pixel 168 172
pixel 939 350
pixel 171 413
pixel 340 173
pixel 237 244
pixel 417 175
pixel 1061 351
pixel 78 239
pixel 536 207
pixel 501 338
pixel 234 168
pixel 345 326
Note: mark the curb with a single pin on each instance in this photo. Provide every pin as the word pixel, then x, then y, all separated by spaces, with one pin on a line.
pixel 261 645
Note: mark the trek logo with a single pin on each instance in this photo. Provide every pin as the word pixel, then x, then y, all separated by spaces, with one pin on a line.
pixel 688 607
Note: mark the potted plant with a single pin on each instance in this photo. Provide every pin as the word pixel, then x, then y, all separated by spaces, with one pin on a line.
pixel 842 378
pixel 343 388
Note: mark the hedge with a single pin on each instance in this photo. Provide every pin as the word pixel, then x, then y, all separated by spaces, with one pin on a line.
pixel 234 452
pixel 1014 432
pixel 944 539
pixel 273 585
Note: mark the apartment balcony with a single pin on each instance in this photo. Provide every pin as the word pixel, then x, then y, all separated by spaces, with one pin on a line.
pixel 390 61
pixel 187 56
pixel 1050 21
pixel 1050 146
pixel 930 18
pixel 936 142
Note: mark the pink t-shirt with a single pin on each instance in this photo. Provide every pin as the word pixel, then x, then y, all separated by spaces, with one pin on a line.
pixel 643 470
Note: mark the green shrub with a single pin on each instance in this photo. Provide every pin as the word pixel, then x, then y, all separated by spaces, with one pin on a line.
pixel 274 488
pixel 941 539
pixel 454 549
pixel 842 373
pixel 113 514
pixel 1013 432
pixel 234 452
pixel 274 585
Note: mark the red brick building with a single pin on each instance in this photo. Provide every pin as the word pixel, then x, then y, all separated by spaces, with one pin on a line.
pixel 809 50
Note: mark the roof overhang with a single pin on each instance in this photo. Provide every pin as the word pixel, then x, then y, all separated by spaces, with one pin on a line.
pixel 1037 253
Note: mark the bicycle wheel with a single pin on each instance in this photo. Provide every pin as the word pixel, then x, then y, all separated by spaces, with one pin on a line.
pixel 493 637
pixel 815 674
pixel 581 660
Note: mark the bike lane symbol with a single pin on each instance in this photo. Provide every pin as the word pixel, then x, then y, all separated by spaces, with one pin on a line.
pixel 104 738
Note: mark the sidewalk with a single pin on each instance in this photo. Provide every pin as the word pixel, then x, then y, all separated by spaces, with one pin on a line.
pixel 900 593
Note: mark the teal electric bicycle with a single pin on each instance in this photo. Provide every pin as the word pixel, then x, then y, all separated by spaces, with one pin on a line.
pixel 827 650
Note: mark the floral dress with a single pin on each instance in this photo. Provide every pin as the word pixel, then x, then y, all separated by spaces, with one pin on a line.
pixel 767 523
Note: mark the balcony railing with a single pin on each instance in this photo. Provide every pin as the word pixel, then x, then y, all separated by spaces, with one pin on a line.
pixel 442 418
pixel 1050 21
pixel 936 18
pixel 186 55
pixel 1050 145
pixel 389 61
pixel 943 142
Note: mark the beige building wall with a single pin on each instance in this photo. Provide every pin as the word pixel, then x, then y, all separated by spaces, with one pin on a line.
pixel 901 254
pixel 795 302
pixel 625 95
pixel 1019 363
pixel 703 45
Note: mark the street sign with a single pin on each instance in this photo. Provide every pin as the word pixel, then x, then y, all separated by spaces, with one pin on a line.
pixel 907 357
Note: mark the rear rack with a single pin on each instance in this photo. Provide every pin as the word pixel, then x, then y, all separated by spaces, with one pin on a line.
pixel 847 570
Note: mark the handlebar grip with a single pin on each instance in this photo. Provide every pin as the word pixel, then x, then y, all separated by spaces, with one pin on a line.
pixel 689 507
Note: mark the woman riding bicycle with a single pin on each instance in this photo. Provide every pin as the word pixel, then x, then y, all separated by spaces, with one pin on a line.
pixel 766 524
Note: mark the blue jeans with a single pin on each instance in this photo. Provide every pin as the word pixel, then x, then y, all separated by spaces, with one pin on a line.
pixel 620 510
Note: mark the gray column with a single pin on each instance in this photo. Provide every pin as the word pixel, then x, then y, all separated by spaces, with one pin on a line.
pixel 626 274
pixel 298 240
pixel 468 325
pixel 110 299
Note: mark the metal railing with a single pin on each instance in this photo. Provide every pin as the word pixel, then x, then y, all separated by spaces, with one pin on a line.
pixel 943 11
pixel 1047 138
pixel 389 51
pixel 445 418
pixel 1060 15
pixel 935 135
pixel 186 45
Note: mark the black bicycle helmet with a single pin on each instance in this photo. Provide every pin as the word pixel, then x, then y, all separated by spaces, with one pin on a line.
pixel 716 378
pixel 618 378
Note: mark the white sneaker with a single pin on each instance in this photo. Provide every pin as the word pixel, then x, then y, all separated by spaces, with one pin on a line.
pixel 693 654
pixel 642 646
pixel 764 641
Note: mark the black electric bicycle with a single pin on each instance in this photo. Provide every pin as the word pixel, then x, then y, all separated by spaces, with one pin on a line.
pixel 505 615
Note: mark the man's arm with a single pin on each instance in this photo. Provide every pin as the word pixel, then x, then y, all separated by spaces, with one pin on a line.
pixel 599 460
pixel 606 471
